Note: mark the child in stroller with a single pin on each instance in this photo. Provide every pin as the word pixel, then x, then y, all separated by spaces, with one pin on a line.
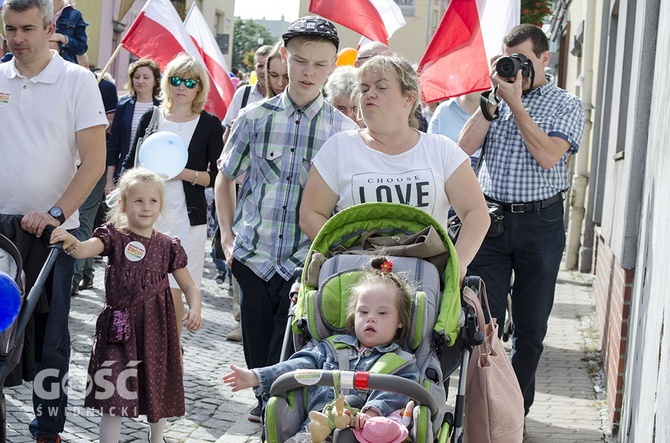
pixel 378 314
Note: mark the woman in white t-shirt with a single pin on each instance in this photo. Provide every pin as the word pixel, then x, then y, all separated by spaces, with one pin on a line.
pixel 391 161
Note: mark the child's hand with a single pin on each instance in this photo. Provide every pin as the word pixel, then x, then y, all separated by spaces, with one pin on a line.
pixel 61 235
pixel 362 417
pixel 240 378
pixel 192 320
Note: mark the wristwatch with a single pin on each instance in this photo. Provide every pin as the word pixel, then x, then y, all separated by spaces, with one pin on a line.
pixel 57 213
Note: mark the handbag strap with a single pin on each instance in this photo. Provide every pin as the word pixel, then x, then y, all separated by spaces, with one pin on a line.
pixel 473 299
pixel 151 128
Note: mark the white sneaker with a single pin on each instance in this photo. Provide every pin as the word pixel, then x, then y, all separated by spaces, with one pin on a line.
pixel 235 334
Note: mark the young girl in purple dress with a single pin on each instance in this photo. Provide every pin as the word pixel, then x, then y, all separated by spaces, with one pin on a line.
pixel 134 367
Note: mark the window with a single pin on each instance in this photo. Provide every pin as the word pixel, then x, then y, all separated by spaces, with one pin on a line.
pixel 406 6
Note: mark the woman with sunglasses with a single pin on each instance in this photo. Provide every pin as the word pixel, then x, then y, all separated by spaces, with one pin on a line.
pixel 184 88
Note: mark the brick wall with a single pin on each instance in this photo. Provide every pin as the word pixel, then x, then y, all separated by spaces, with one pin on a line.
pixel 613 288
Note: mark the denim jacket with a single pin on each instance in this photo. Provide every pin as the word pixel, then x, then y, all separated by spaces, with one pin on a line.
pixel 71 24
pixel 322 357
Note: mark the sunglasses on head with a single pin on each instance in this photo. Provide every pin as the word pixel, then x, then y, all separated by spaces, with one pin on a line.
pixel 188 82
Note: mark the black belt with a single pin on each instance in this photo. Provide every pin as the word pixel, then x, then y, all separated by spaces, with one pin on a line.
pixel 521 208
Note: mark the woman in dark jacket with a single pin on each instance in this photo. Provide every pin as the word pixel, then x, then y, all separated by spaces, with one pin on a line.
pixel 143 88
pixel 184 90
pixel 70 38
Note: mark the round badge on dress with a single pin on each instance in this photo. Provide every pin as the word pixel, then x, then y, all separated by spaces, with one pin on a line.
pixel 135 251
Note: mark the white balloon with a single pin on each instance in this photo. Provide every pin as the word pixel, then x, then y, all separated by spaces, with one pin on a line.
pixel 164 153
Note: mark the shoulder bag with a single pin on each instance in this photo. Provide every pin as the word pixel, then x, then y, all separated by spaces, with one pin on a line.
pixel 493 401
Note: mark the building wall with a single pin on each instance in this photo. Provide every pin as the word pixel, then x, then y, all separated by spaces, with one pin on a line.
pixel 629 175
pixel 613 290
pixel 92 13
pixel 646 399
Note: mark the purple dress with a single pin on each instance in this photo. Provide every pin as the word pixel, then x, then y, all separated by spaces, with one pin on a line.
pixel 135 365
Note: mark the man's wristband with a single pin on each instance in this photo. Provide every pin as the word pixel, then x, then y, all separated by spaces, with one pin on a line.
pixel 489 98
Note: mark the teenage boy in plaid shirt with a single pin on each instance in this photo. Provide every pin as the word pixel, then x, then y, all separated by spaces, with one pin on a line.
pixel 273 144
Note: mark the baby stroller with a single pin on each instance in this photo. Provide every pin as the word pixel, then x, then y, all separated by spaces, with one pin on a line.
pixel 333 264
pixel 11 262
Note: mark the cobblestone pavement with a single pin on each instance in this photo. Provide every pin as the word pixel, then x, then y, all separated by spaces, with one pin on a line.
pixel 565 409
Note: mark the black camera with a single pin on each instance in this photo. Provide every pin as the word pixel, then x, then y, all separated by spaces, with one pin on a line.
pixel 508 66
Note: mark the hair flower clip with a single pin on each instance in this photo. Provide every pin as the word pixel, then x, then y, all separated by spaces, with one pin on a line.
pixel 386 266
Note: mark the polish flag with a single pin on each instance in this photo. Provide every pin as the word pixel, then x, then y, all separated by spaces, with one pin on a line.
pixel 457 59
pixel 374 19
pixel 159 34
pixel 199 31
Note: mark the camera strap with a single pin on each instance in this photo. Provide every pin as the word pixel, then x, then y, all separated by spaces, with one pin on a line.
pixel 489 98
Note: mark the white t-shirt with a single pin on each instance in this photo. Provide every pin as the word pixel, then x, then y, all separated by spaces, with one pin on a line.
pixel 40 118
pixel 360 174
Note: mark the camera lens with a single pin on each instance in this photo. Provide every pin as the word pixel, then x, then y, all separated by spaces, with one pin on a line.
pixel 508 66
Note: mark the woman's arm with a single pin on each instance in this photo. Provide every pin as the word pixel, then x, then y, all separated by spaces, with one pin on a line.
pixel 467 199
pixel 318 204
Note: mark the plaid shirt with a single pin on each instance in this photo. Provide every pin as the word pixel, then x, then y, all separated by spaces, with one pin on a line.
pixel 508 172
pixel 274 144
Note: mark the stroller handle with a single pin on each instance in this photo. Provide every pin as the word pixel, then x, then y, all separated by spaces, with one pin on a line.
pixel 355 380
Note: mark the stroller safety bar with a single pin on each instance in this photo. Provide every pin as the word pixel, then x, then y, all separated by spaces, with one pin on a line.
pixel 355 380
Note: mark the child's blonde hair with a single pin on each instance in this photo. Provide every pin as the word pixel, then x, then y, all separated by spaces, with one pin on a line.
pixel 117 215
pixel 381 275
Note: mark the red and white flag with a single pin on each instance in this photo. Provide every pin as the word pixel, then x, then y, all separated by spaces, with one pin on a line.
pixel 374 19
pixel 158 33
pixel 204 40
pixel 457 59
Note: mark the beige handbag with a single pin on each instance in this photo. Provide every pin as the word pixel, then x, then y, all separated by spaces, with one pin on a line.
pixel 493 401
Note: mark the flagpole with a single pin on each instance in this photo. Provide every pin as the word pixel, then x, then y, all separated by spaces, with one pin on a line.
pixel 111 59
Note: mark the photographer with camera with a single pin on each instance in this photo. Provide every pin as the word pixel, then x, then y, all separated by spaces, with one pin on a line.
pixel 527 127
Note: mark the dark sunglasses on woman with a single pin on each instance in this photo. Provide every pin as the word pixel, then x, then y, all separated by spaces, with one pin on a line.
pixel 190 83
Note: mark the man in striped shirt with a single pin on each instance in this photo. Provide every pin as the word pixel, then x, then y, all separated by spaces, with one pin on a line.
pixel 273 144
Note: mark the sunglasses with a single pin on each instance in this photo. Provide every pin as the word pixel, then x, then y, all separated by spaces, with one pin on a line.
pixel 190 83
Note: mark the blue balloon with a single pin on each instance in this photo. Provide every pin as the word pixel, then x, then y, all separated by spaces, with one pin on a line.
pixel 10 301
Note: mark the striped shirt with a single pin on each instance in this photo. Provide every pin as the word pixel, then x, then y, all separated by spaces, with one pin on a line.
pixel 508 172
pixel 274 144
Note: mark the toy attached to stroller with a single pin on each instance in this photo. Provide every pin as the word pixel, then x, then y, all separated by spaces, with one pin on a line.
pixel 334 264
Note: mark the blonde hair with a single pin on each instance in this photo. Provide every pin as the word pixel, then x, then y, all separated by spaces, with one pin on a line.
pixel 400 287
pixel 385 65
pixel 185 66
pixel 139 175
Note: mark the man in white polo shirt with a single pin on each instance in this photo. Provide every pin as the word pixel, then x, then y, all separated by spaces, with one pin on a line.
pixel 51 113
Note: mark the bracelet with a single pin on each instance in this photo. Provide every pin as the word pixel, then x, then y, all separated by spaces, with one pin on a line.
pixel 71 251
pixel 195 179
